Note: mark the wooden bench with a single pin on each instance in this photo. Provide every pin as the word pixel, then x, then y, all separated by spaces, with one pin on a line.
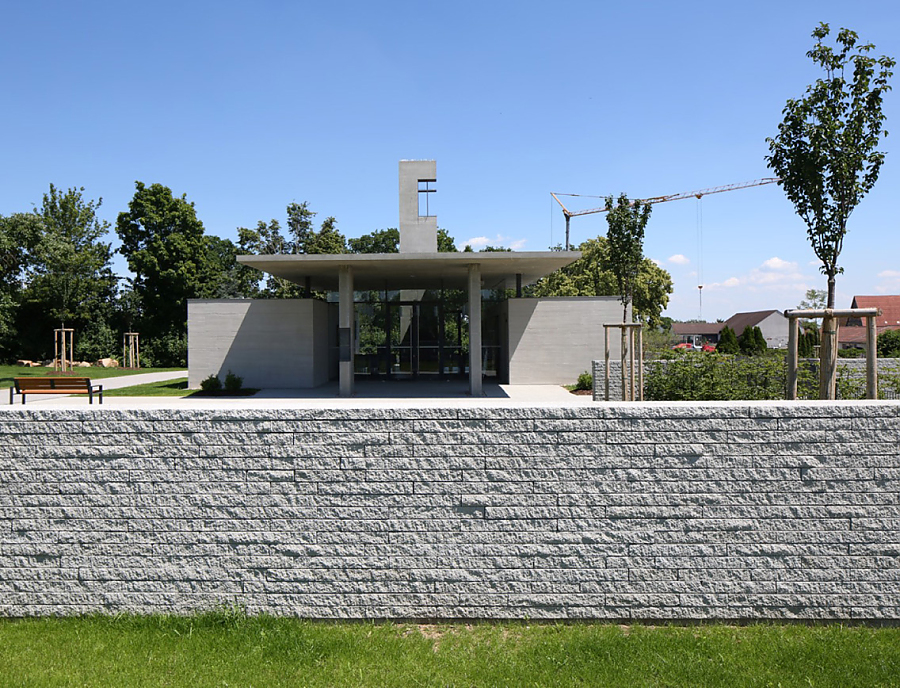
pixel 54 385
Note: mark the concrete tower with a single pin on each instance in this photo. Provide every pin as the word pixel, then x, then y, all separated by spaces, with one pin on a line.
pixel 418 227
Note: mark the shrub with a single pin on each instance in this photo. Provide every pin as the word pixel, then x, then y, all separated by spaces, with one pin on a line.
pixel 709 378
pixel 728 343
pixel 807 341
pixel 752 342
pixel 165 351
pixel 585 381
pixel 96 341
pixel 211 384
pixel 889 344
pixel 233 383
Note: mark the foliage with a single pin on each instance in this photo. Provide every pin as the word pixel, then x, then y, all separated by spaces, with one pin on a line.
pixel 302 238
pixel 445 242
pixel 728 342
pixel 625 241
pixel 211 384
pixel 19 233
pixel 751 341
pixel 69 270
pixel 222 277
pixel 889 344
pixel 97 340
pixel 825 152
pixel 266 239
pixel 164 244
pixel 328 240
pixel 233 383
pixel 806 342
pixel 592 275
pixel 379 241
pixel 585 381
pixel 702 377
pixel 660 339
pixel 166 350
pixel 815 300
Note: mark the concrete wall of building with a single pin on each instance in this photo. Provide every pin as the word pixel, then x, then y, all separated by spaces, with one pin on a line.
pixel 418 233
pixel 638 511
pixel 271 343
pixel 774 330
pixel 553 340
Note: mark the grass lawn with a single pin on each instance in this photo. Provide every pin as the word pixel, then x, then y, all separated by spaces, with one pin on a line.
pixel 8 372
pixel 223 649
pixel 166 388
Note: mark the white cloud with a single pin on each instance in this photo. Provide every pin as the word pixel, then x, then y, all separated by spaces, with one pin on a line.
pixel 889 282
pixel 775 263
pixel 773 274
pixel 658 262
pixel 679 259
pixel 497 241
pixel 474 242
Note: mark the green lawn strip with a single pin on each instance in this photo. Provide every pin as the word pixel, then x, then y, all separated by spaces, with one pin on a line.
pixel 7 373
pixel 225 649
pixel 165 388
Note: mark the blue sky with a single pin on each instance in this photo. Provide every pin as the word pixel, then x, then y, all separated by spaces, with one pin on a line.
pixel 246 107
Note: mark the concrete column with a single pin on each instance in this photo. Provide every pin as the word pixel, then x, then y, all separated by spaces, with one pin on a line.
pixel 475 330
pixel 345 331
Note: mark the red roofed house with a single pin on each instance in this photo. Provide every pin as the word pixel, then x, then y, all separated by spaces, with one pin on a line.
pixel 852 331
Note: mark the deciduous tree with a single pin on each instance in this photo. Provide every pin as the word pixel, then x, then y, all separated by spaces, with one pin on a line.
pixel 592 275
pixel 164 244
pixel 826 155
pixel 625 238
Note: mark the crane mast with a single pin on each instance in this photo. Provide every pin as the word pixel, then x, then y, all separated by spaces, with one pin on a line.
pixel 700 193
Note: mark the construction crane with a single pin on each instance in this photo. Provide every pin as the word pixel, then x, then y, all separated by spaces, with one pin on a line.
pixel 657 199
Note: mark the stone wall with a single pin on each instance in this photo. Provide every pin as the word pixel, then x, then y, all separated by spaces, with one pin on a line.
pixel 613 511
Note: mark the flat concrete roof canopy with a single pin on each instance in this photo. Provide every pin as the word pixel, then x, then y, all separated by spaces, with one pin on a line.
pixel 413 270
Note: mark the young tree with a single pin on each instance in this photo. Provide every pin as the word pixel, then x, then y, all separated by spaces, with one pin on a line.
pixel 728 342
pixel 827 158
pixel 625 236
pixel 826 149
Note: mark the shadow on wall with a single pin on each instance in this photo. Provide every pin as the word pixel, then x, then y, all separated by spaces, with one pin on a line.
pixel 272 344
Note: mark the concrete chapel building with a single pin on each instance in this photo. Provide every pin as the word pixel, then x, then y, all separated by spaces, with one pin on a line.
pixel 413 315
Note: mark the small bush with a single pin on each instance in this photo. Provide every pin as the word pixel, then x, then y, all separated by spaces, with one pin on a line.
pixel 211 384
pixel 233 383
pixel 889 344
pixel 585 381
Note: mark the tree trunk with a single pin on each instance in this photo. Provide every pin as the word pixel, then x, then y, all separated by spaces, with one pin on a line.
pixel 828 349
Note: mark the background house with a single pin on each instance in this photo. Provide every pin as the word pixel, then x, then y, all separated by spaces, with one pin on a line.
pixel 852 331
